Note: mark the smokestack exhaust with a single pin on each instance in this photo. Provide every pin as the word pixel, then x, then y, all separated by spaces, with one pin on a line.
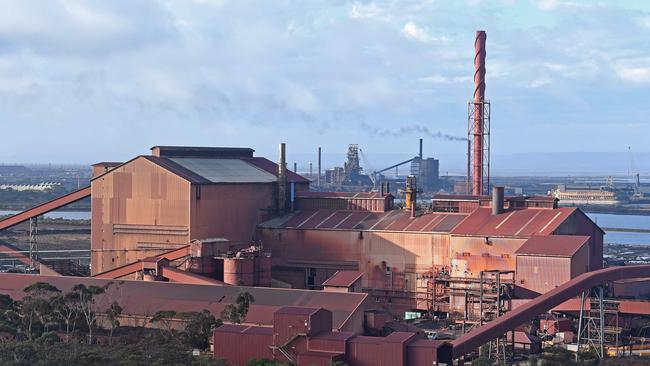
pixel 282 180
pixel 497 200
pixel 420 149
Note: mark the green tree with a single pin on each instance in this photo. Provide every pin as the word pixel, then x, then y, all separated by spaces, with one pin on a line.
pixel 113 316
pixel 35 308
pixel 236 313
pixel 163 320
pixel 86 301
pixel 199 328
pixel 66 307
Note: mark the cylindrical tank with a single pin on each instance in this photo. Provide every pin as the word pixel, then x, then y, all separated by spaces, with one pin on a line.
pixel 203 265
pixel 263 271
pixel 239 271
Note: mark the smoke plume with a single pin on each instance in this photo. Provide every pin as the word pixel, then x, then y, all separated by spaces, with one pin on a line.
pixel 410 130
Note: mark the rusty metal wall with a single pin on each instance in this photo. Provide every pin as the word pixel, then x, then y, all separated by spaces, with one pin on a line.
pixel 240 348
pixel 150 207
pixel 406 254
pixel 471 255
pixel 231 211
pixel 542 274
pixel 579 224
pixel 580 261
pixel 362 353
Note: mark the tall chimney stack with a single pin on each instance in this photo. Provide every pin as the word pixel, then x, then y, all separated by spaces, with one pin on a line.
pixel 479 98
pixel 420 149
pixel 282 180
pixel 318 179
pixel 497 200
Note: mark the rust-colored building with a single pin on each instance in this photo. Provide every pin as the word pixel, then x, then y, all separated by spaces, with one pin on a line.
pixel 158 202
pixel 303 337
pixel 401 256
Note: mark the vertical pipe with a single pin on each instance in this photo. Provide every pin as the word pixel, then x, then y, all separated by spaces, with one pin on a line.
pixel 420 149
pixel 497 200
pixel 468 189
pixel 479 98
pixel 310 170
pixel 295 167
pixel 282 179
pixel 580 323
pixel 319 166
pixel 480 301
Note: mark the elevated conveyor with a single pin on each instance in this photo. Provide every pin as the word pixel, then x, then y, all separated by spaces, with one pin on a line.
pixel 45 208
pixel 483 334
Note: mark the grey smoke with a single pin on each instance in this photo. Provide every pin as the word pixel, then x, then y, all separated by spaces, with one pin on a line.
pixel 410 130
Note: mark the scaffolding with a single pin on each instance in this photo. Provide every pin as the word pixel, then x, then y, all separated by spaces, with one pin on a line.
pixel 33 243
pixel 599 325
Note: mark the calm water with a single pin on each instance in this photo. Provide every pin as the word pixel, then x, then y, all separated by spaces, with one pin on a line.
pixel 627 222
pixel 68 215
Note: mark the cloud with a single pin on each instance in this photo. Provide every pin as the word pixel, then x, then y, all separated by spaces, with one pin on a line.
pixel 540 82
pixel 367 11
pixel 634 72
pixel 232 72
pixel 416 33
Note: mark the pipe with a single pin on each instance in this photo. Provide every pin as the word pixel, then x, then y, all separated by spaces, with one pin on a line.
pixel 295 167
pixel 282 179
pixel 382 189
pixel 420 149
pixel 497 200
pixel 479 98
pixel 319 166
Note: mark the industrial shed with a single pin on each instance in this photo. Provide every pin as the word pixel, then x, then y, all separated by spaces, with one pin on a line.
pixel 158 202
pixel 545 262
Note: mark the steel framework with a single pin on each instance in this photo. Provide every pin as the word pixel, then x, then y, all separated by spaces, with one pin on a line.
pixel 478 130
pixel 599 325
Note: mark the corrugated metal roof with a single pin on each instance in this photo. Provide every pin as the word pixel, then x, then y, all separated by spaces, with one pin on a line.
pixel 225 170
pixel 272 168
pixel 343 278
pixel 552 245
pixel 395 220
pixel 365 195
pixel 144 298
pixel 296 310
pixel 519 223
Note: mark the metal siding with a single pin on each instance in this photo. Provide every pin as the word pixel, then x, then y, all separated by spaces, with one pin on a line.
pixel 542 274
pixel 124 196
pixel 230 211
pixel 240 348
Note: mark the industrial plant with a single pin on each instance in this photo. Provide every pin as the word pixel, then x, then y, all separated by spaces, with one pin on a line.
pixel 347 265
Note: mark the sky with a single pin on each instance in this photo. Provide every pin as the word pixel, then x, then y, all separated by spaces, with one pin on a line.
pixel 84 81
